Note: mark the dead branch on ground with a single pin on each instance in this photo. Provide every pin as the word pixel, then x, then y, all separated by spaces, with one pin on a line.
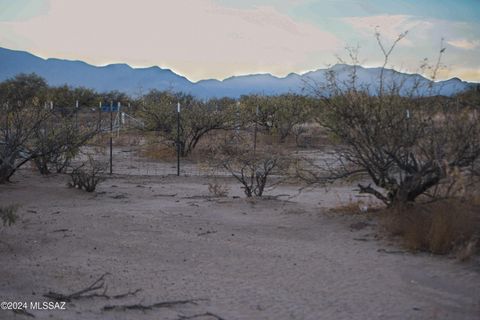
pixel 142 307
pixel 206 314
pixel 89 292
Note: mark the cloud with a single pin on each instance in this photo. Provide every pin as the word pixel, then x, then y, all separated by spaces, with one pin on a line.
pixel 421 30
pixel 424 40
pixel 390 26
pixel 465 44
pixel 196 38
pixel 466 74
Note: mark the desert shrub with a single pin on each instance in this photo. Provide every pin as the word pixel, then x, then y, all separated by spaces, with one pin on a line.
pixel 438 227
pixel 253 174
pixel 88 175
pixel 32 130
pixel 218 189
pixel 405 144
pixel 59 141
pixel 8 214
pixel 159 111
pixel 279 116
pixel 252 168
pixel 22 113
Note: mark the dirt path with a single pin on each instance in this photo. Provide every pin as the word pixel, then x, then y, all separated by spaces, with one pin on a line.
pixel 267 259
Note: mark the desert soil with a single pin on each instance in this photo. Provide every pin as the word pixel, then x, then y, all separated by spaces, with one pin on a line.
pixel 274 258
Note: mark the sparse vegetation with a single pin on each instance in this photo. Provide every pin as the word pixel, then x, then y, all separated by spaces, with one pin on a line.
pixel 218 189
pixel 395 145
pixel 280 115
pixel 438 227
pixel 58 142
pixel 251 168
pixel 31 130
pixel 404 144
pixel 8 214
pixel 353 207
pixel 159 110
pixel 88 175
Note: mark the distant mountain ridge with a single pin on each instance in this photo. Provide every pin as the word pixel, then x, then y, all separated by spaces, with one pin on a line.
pixel 134 81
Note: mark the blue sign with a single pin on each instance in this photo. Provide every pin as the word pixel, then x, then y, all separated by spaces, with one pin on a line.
pixel 108 108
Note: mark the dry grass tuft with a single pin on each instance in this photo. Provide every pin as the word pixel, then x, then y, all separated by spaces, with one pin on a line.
pixel 129 139
pixel 218 189
pixel 8 214
pixel 440 227
pixel 466 251
pixel 158 152
pixel 353 207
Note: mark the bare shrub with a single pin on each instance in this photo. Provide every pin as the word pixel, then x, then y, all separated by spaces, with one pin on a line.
pixel 8 214
pixel 218 189
pixel 58 141
pixel 406 145
pixel 88 175
pixel 159 110
pixel 279 116
pixel 252 174
pixel 30 130
pixel 22 113
pixel 438 227
pixel 251 168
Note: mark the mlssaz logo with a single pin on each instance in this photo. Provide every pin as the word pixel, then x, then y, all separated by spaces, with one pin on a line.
pixel 47 305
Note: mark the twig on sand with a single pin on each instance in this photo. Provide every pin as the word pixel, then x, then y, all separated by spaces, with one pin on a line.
pixel 59 230
pixel 165 195
pixel 89 292
pixel 123 295
pixel 361 239
pixel 206 232
pixel 142 307
pixel 391 251
pixel 206 314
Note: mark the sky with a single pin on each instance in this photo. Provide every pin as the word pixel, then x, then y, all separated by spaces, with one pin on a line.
pixel 204 39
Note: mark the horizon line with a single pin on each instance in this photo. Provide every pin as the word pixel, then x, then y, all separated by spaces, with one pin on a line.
pixel 265 73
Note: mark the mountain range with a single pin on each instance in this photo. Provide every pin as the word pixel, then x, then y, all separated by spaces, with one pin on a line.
pixel 134 81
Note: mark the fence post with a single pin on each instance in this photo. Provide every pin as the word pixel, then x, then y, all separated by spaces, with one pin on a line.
pixel 178 139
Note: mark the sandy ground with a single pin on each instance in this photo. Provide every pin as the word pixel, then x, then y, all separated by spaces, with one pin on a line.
pixel 239 259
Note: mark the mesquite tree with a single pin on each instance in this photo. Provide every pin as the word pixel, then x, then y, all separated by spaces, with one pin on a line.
pixel 404 144
pixel 31 130
pixel 159 110
pixel 23 113
pixel 59 140
pixel 277 115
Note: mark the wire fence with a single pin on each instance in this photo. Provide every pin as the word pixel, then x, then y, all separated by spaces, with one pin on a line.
pixel 142 153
